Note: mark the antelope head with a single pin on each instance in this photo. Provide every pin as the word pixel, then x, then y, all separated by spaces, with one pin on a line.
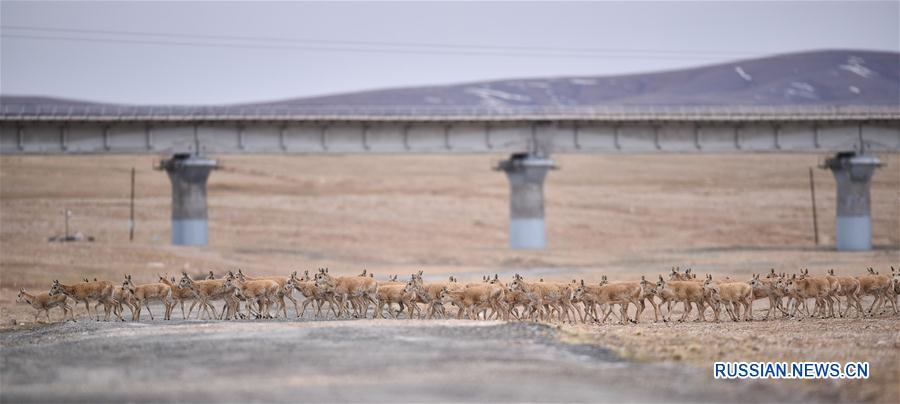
pixel 22 297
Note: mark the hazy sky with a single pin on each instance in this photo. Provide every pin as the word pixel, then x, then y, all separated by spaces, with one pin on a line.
pixel 225 52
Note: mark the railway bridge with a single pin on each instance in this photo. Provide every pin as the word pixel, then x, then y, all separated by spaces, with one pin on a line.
pixel 850 135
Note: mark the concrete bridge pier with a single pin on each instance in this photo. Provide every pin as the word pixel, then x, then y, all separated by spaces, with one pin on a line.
pixel 853 172
pixel 526 173
pixel 188 174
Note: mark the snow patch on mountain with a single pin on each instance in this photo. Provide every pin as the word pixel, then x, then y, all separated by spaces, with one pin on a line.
pixel 491 97
pixel 583 82
pixel 740 71
pixel 491 93
pixel 802 90
pixel 855 90
pixel 856 65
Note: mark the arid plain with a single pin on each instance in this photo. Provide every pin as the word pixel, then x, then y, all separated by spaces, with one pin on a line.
pixel 620 216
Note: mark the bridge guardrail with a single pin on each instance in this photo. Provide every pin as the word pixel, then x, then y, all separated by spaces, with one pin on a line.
pixel 41 112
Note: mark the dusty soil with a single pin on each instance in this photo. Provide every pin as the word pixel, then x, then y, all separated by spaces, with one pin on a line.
pixel 875 340
pixel 367 360
pixel 622 216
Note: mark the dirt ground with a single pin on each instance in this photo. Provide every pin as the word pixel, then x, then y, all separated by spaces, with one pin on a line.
pixel 876 341
pixel 621 216
pixel 378 361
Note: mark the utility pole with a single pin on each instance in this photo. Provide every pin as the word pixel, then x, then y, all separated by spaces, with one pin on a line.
pixel 131 218
pixel 67 214
pixel 812 193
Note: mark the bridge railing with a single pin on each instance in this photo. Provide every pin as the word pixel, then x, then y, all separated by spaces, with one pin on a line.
pixel 50 112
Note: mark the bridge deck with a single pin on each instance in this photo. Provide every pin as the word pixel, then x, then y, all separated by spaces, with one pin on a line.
pixel 304 130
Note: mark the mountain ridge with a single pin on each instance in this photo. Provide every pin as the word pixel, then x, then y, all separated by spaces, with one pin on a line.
pixel 814 78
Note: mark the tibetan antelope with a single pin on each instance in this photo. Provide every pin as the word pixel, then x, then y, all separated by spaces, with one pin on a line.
pixel 311 294
pixel 878 286
pixel 734 295
pixel 472 298
pixel 119 300
pixel 357 290
pixel 802 288
pixel 771 289
pixel 395 292
pixel 609 295
pixel 849 289
pixel 686 292
pixel 282 291
pixel 43 302
pixel 204 291
pixel 145 293
pixel 99 291
pixel 554 297
pixel 261 291
pixel 430 293
pixel 179 294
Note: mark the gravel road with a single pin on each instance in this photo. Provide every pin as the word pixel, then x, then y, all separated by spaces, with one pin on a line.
pixel 342 361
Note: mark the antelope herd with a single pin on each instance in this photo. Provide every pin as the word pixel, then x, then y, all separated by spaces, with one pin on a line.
pixel 520 299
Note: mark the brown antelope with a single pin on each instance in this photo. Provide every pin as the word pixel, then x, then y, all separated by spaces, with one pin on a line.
pixel 515 298
pixel 567 300
pixel 144 294
pixel 485 281
pixel 282 292
pixel 261 291
pixel 770 288
pixel 677 275
pixel 666 296
pixel 43 302
pixel 611 294
pixel 629 289
pixel 233 297
pixel 712 299
pixel 417 295
pixel 849 288
pixel 648 293
pixel 531 300
pixel 832 289
pixel 496 292
pixel 686 292
pixel 554 297
pixel 359 291
pixel 801 288
pixel 472 298
pixel 179 294
pixel 204 292
pixel 589 295
pixel 393 280
pixel 878 286
pixel 430 294
pixel 422 293
pixel 311 294
pixel 895 281
pixel 99 291
pixel 398 293
pixel 119 300
pixel 734 295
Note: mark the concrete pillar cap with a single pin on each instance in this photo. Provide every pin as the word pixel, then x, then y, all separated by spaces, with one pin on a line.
pixel 865 159
pixel 860 167
pixel 186 160
pixel 520 160
pixel 844 159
